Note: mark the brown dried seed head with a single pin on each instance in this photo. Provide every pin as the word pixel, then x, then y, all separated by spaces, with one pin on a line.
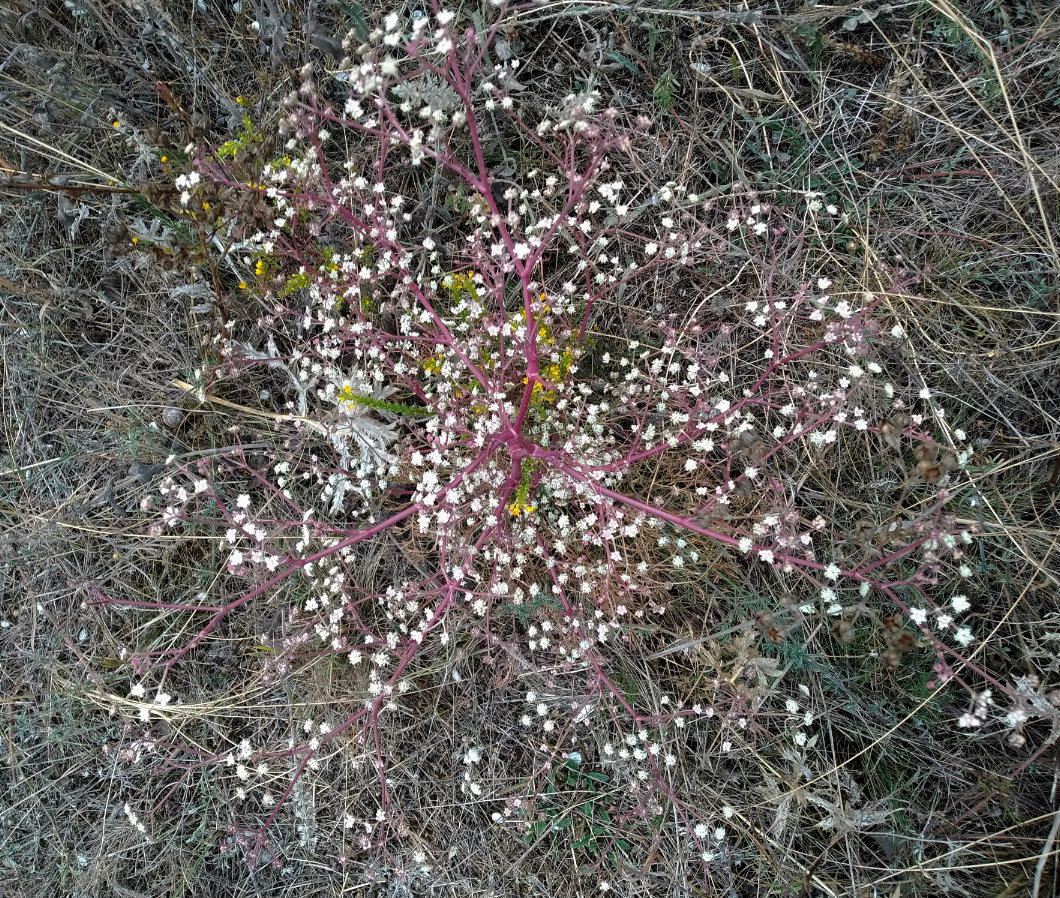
pixel 892 624
pixel 776 635
pixel 764 619
pixel 925 452
pixel 892 433
pixel 744 488
pixel 757 452
pixel 903 642
pixel 843 631
pixel 864 529
pixel 930 471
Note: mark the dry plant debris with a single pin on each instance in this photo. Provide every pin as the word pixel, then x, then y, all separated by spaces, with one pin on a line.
pixel 547 449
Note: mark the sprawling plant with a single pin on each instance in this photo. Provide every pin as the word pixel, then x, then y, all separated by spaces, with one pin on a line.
pixel 498 345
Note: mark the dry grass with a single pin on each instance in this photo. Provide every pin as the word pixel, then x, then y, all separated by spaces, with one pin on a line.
pixel 933 127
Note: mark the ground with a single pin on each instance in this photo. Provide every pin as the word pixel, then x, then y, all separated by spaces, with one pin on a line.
pixel 815 752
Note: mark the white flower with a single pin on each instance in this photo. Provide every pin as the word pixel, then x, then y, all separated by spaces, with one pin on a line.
pixel 137 690
pixel 960 603
pixel 917 616
pixel 964 636
pixel 832 572
pixel 701 830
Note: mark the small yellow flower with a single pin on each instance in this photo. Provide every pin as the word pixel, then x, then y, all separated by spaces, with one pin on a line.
pixel 242 285
pixel 136 240
pixel 117 124
pixel 517 508
pixel 165 159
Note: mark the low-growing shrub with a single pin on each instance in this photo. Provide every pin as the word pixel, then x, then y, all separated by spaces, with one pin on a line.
pixel 565 405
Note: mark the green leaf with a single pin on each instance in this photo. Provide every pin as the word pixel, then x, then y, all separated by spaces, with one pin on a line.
pixel 615 56
pixel 356 14
pixel 397 408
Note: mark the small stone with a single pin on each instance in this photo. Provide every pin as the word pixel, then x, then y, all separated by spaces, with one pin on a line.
pixel 172 417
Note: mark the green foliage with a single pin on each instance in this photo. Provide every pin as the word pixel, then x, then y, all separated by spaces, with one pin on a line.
pixel 382 405
pixel 665 88
pixel 814 40
pixel 245 137
pixel 297 281
pixel 1052 76
pixel 574 805
pixel 532 610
